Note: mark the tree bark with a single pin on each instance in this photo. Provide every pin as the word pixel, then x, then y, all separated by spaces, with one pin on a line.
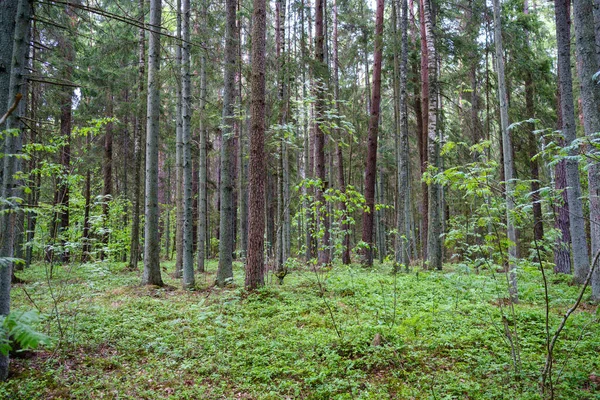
pixel 508 159
pixel 424 108
pixel 179 153
pixel 186 133
pixel 134 253
pixel 257 166
pixel 434 215
pixel 588 63
pixel 203 161
pixel 12 145
pixel 371 163
pixel 152 275
pixel 577 222
pixel 227 214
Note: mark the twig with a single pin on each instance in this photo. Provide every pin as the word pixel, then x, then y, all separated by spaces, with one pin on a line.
pixel 12 108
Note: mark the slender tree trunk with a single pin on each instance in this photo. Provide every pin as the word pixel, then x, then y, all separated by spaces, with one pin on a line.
pixel 106 173
pixel 588 64
pixel 340 158
pixel 12 145
pixel 577 222
pixel 507 151
pixel 320 73
pixel 403 208
pixel 152 275
pixel 227 214
pixel 202 168
pixel 562 251
pixel 186 133
pixel 257 165
pixel 425 129
pixel 134 254
pixel 434 215
pixel 179 153
pixel 371 164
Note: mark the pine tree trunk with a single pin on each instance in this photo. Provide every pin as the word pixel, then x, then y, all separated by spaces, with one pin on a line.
pixel 577 222
pixel 588 63
pixel 106 173
pixel 152 275
pixel 507 151
pixel 424 108
pixel 227 214
pixel 257 165
pixel 371 164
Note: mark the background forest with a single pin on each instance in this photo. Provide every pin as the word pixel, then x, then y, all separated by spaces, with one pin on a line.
pixel 321 199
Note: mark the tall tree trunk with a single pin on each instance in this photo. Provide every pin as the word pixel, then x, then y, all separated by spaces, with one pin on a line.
pixel 434 215
pixel 371 163
pixel 403 207
pixel 203 162
pixel 106 172
pixel 134 252
pixel 577 222
pixel 425 129
pixel 538 223
pixel 227 214
pixel 340 158
pixel 562 251
pixel 179 153
pixel 152 275
pixel 257 165
pixel 508 160
pixel 12 145
pixel 186 133
pixel 588 63
pixel 320 83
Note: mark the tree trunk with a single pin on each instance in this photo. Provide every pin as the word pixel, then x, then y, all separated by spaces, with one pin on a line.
pixel 507 152
pixel 179 153
pixel 257 166
pixel 227 214
pixel 434 215
pixel 202 168
pixel 106 173
pixel 371 164
pixel 403 207
pixel 340 158
pixel 424 108
pixel 320 73
pixel 152 275
pixel 12 145
pixel 134 253
pixel 186 134
pixel 577 222
pixel 588 64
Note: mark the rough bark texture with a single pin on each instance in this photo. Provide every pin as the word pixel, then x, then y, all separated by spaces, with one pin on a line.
pixel 434 215
pixel 508 158
pixel 424 121
pixel 320 71
pixel 134 253
pixel 371 165
pixel 151 275
pixel 577 222
pixel 403 208
pixel 257 166
pixel 227 214
pixel 202 168
pixel 11 165
pixel 107 172
pixel 186 133
pixel 178 153
pixel 587 65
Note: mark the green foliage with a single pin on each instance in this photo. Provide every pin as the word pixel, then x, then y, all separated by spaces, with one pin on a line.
pixel 440 336
pixel 19 327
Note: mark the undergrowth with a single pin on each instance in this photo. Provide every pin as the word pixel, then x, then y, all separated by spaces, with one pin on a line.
pixel 437 335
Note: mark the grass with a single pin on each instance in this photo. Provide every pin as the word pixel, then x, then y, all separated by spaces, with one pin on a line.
pixel 424 335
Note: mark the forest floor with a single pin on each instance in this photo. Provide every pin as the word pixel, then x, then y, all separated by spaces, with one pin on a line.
pixel 341 333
